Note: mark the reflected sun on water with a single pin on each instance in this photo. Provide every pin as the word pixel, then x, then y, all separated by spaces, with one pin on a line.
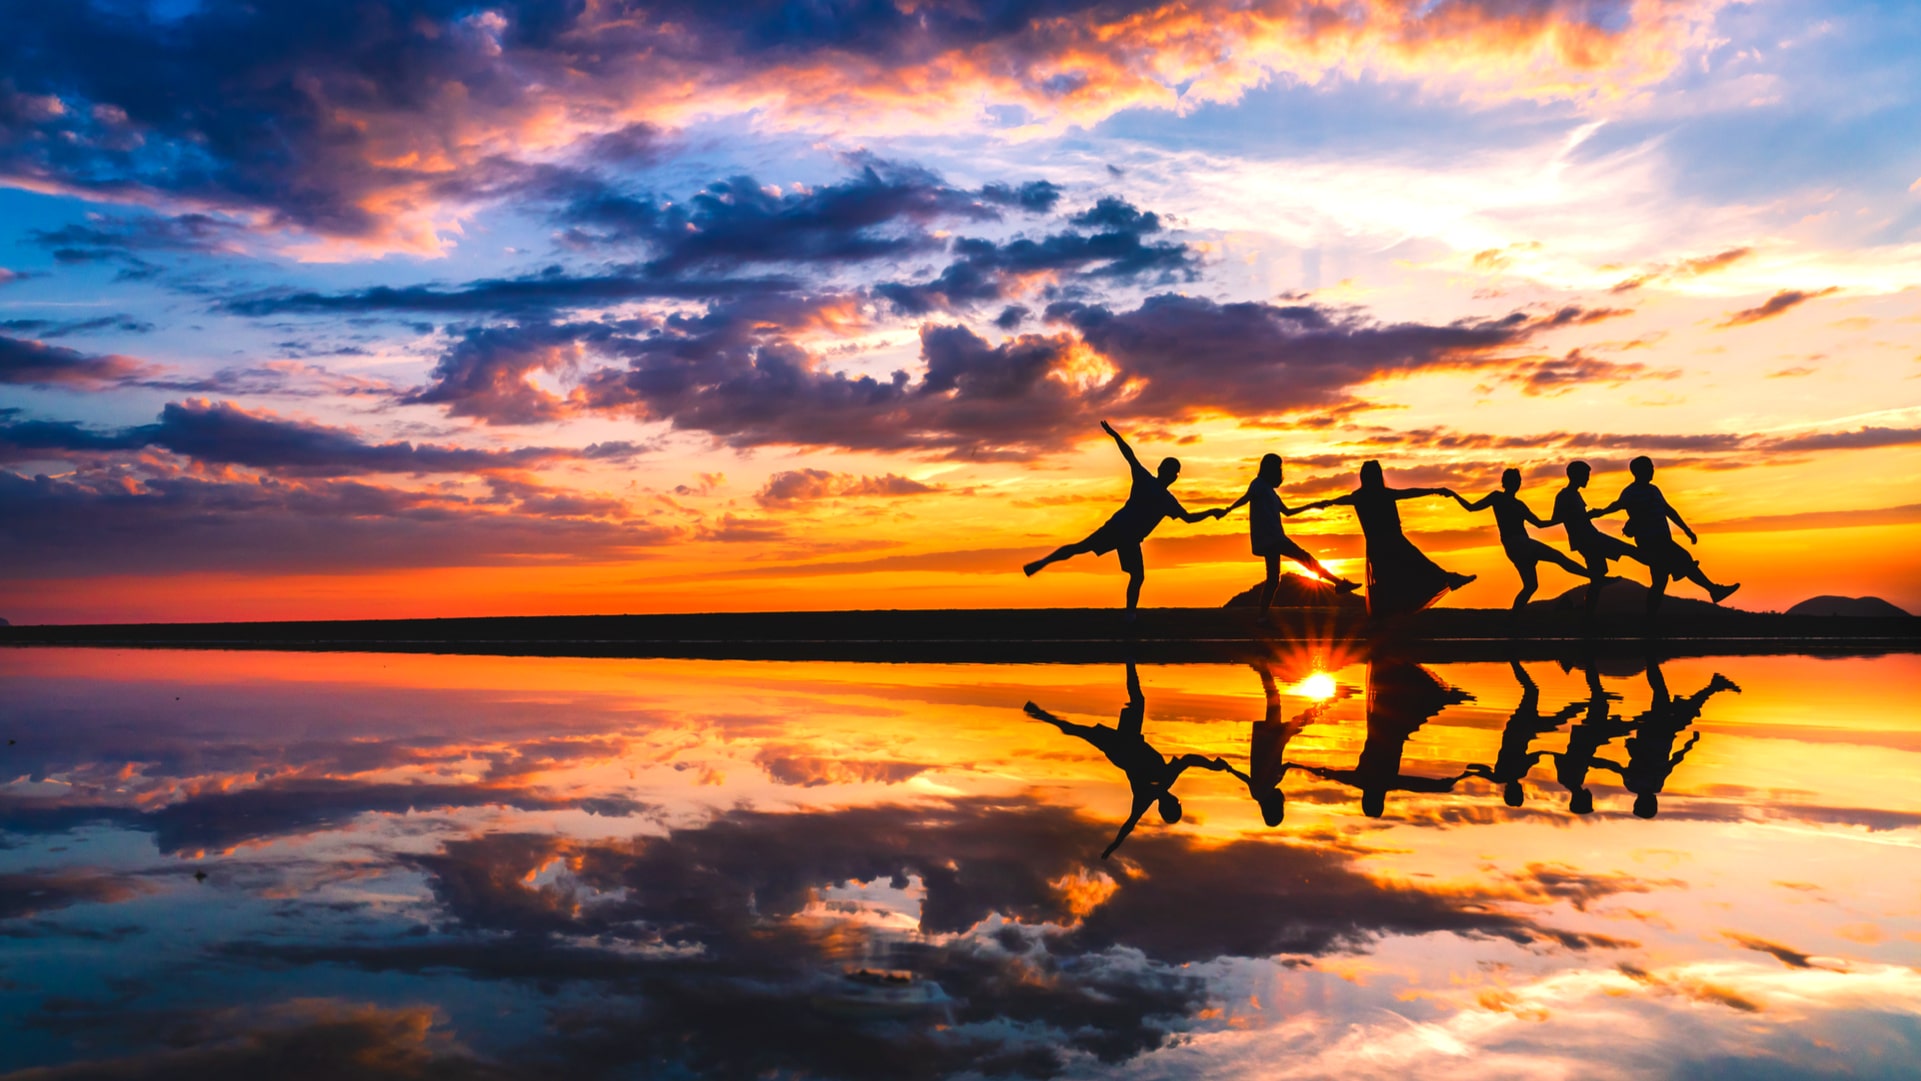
pixel 414 866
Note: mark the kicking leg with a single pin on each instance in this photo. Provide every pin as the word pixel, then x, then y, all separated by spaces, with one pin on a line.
pixel 1716 593
pixel 1306 559
pixel 1065 551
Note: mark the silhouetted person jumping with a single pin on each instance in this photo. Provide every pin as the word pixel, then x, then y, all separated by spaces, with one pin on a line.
pixel 1399 578
pixel 1651 754
pixel 1592 545
pixel 1517 758
pixel 1149 775
pixel 1648 515
pixel 1269 540
pixel 1511 518
pixel 1148 501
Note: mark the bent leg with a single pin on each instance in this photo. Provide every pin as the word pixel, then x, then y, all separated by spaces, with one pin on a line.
pixel 1530 581
pixel 1552 555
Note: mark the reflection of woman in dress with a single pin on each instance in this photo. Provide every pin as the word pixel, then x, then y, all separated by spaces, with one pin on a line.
pixel 1399 578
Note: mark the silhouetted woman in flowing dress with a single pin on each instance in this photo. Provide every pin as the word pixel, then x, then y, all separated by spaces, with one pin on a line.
pixel 1399 578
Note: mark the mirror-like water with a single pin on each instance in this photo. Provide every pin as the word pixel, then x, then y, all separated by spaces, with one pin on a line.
pixel 283 865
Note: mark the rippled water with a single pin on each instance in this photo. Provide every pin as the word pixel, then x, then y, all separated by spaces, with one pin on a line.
pixel 256 865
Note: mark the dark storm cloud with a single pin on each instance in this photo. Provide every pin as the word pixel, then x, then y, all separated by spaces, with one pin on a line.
pixel 1022 966
pixel 879 213
pixel 794 486
pixel 61 328
pixel 550 290
pixel 984 270
pixel 76 525
pixel 223 433
pixel 486 374
pixel 123 238
pixel 24 362
pixel 31 893
pixel 1780 303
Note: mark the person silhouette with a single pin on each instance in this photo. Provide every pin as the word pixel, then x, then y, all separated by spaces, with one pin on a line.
pixel 1598 549
pixel 1511 519
pixel 1651 754
pixel 1401 697
pixel 1150 776
pixel 1148 501
pixel 1648 515
pixel 1584 742
pixel 1515 759
pixel 1267 763
pixel 1399 578
pixel 1269 540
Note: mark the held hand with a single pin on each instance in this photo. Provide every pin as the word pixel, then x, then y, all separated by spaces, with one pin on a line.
pixel 1108 428
pixel 1219 512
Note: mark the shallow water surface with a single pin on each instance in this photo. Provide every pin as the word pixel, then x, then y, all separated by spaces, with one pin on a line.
pixel 253 864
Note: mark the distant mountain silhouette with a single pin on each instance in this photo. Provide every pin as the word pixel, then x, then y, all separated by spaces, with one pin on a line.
pixel 1624 596
pixel 1298 591
pixel 4 623
pixel 1856 607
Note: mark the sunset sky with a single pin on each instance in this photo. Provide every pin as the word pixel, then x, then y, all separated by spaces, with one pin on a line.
pixel 411 308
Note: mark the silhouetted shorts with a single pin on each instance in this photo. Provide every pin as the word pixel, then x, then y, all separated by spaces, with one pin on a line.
pixel 1115 535
pixel 1607 549
pixel 1666 556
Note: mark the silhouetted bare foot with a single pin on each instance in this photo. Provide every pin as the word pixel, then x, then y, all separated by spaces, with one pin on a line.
pixel 1342 585
pixel 1032 567
pixel 1456 581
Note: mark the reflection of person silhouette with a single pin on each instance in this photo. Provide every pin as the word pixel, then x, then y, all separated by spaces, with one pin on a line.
pixel 1592 545
pixel 1648 515
pixel 1148 501
pixel 1149 774
pixel 1270 541
pixel 1651 754
pixel 1399 578
pixel 1524 725
pixel 1511 518
pixel 1401 697
pixel 1267 763
pixel 1584 742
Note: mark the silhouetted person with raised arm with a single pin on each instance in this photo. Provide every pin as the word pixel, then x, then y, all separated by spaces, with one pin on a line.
pixel 1148 501
pixel 1598 549
pixel 1512 517
pixel 1401 697
pixel 1269 540
pixel 1399 578
pixel 1651 754
pixel 1149 775
pixel 1648 515
pixel 1267 763
pixel 1584 742
pixel 1517 758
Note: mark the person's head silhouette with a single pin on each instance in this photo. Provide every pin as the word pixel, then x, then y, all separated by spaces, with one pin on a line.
pixel 1642 468
pixel 1577 473
pixel 1510 481
pixel 1170 470
pixel 1270 472
pixel 1273 807
pixel 1374 802
pixel 1580 801
pixel 1647 805
pixel 1513 794
pixel 1371 476
pixel 1170 808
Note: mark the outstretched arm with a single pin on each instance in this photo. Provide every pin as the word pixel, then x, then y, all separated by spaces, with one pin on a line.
pixel 1127 827
pixel 1675 516
pixel 1683 752
pixel 1602 512
pixel 1479 504
pixel 1127 452
pixel 1398 494
pixel 1068 727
